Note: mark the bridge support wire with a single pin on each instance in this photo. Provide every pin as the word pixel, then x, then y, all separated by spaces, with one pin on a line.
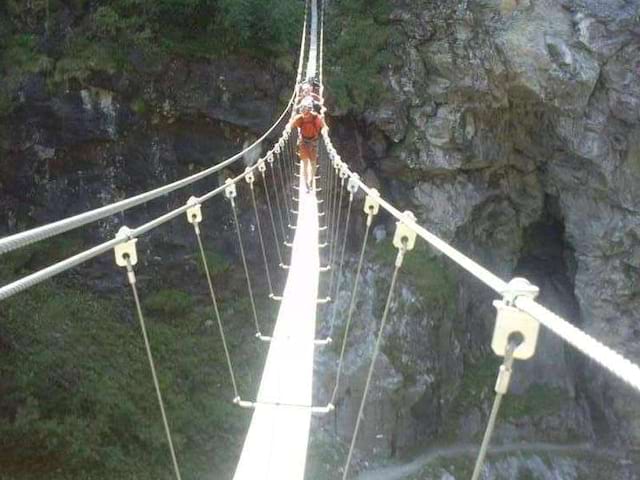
pixel 336 236
pixel 371 211
pixel 250 178
pixel 230 193
pixel 334 211
pixel 263 171
pixel 285 238
pixel 283 184
pixel 502 386
pixel 126 256
pixel 194 216
pixel 401 253
pixel 339 275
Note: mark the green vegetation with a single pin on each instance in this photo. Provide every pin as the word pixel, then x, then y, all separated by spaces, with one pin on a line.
pixel 538 400
pixel 77 396
pixel 168 304
pixel 217 262
pixel 424 271
pixel 356 39
pixel 106 36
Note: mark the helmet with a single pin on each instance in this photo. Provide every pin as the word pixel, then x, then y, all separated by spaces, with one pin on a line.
pixel 307 105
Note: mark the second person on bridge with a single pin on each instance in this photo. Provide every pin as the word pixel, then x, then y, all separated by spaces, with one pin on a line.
pixel 309 125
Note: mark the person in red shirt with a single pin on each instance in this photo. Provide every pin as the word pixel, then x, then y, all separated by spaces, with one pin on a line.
pixel 309 125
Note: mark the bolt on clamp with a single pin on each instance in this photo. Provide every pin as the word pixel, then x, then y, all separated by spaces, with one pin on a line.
pixel 194 212
pixel 230 190
pixel 352 185
pixel 270 157
pixel 512 322
pixel 371 204
pixel 344 173
pixel 262 167
pixel 249 176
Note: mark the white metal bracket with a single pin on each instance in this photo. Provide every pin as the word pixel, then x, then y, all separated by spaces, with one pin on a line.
pixel 262 167
pixel 512 321
pixel 352 185
pixel 405 236
pixel 372 203
pixel 194 212
pixel 230 190
pixel 249 177
pixel 126 252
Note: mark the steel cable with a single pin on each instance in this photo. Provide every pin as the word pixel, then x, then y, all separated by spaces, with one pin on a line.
pixel 352 306
pixel 246 267
pixel 132 281
pixel 285 237
pixel 264 252
pixel 336 236
pixel 339 275
pixel 214 303
pixel 273 223
pixel 376 350
pixel 506 367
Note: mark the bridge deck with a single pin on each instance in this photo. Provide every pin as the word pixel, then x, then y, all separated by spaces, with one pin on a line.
pixel 276 445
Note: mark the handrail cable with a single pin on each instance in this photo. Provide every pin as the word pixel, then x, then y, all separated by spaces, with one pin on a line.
pixel 18 240
pixel 86 255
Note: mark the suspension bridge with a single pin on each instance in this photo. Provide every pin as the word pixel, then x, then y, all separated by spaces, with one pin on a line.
pixel 310 231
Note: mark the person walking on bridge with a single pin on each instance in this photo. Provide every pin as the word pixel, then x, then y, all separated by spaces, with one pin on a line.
pixel 309 125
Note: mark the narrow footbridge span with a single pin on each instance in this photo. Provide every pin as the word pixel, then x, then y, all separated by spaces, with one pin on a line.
pixel 276 445
pixel 309 229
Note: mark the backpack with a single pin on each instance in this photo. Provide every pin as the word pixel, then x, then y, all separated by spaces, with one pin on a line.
pixel 310 128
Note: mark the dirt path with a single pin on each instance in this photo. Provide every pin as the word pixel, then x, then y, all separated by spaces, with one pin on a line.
pixel 399 472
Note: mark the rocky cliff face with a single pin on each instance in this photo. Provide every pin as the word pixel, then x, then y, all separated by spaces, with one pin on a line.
pixel 510 129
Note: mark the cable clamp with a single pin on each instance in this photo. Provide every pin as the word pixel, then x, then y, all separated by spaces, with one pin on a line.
pixel 262 167
pixel 194 212
pixel 514 324
pixel 352 185
pixel 230 191
pixel 249 176
pixel 405 236
pixel 126 252
pixel 372 202
pixel 270 156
